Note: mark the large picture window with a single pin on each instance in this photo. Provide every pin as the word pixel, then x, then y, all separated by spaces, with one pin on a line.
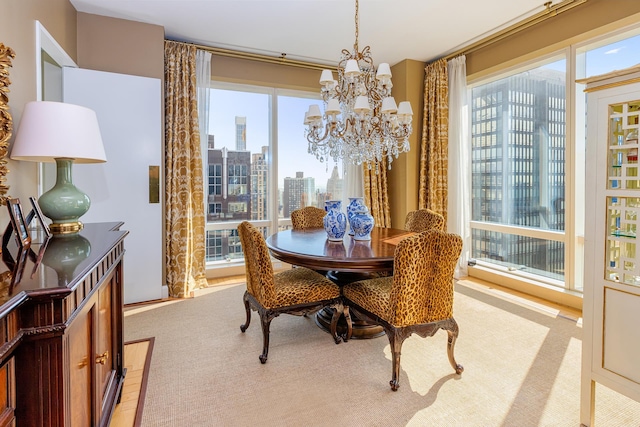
pixel 518 170
pixel 258 165
pixel 527 150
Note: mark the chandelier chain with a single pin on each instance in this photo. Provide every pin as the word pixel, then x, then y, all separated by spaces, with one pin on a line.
pixel 361 122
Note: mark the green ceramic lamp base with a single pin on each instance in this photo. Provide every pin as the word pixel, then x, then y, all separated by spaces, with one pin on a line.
pixel 64 204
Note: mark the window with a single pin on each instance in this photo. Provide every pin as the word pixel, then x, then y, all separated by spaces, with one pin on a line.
pixel 518 170
pixel 256 173
pixel 527 151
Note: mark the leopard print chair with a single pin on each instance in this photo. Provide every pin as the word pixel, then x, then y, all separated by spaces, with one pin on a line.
pixel 422 220
pixel 307 217
pixel 297 291
pixel 418 298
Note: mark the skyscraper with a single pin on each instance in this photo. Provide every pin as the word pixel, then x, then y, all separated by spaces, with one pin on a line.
pixel 334 186
pixel 259 181
pixel 518 167
pixel 298 193
pixel 241 133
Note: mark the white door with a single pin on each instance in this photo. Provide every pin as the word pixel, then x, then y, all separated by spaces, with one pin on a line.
pixel 129 110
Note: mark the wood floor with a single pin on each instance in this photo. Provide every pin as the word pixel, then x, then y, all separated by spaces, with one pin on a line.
pixel 135 359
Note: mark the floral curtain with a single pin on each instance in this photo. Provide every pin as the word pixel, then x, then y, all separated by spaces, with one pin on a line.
pixel 435 139
pixel 185 222
pixel 376 196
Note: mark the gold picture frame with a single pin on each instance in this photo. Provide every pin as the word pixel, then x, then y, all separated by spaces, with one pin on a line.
pixel 6 122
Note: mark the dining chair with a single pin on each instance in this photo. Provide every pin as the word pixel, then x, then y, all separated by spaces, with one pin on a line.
pixel 297 291
pixel 307 217
pixel 418 298
pixel 422 220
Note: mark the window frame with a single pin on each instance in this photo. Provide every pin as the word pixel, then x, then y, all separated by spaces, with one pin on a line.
pixel 273 223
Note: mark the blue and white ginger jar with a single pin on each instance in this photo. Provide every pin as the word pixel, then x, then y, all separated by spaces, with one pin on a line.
pixel 335 221
pixel 362 223
pixel 355 204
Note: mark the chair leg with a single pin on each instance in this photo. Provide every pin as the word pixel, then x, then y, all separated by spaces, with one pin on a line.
pixel 396 338
pixel 451 343
pixel 247 308
pixel 265 320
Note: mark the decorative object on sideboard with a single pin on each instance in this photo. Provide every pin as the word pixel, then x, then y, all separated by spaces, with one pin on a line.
pixel 64 133
pixel 361 122
pixel 335 221
pixel 37 213
pixel 6 123
pixel 17 226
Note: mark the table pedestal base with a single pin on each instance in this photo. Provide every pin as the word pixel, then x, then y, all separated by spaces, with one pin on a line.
pixel 361 329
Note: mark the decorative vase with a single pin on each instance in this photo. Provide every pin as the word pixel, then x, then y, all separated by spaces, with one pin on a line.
pixel 335 221
pixel 355 203
pixel 362 223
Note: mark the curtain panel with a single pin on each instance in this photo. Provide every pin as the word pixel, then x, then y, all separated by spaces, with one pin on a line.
pixel 435 139
pixel 459 159
pixel 376 196
pixel 185 220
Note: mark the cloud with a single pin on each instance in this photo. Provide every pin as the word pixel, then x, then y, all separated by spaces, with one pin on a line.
pixel 612 51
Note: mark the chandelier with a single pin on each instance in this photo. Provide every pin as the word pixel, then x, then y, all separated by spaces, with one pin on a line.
pixel 361 122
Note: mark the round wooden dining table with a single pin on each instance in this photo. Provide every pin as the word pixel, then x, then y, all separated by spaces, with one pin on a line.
pixel 343 262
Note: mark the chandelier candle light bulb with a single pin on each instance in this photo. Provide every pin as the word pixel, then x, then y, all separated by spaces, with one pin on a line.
pixel 362 122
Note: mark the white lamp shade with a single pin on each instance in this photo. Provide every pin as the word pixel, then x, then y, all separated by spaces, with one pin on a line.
pixel 404 109
pixel 333 106
pixel 314 112
pixel 352 69
pixel 52 130
pixel 383 71
pixel 326 77
pixel 389 105
pixel 362 104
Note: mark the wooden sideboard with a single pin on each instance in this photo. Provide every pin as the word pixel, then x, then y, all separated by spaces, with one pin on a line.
pixel 61 339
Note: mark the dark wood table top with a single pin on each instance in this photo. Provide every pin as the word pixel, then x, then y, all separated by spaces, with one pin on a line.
pixel 310 248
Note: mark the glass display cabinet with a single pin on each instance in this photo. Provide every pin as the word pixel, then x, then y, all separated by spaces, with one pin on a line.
pixel 611 306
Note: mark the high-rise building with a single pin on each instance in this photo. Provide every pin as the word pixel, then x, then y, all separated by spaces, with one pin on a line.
pixel 518 167
pixel 259 181
pixel 241 133
pixel 334 186
pixel 228 198
pixel 298 193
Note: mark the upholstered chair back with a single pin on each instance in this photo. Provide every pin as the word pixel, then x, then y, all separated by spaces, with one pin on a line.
pixel 307 217
pixel 422 289
pixel 260 281
pixel 422 220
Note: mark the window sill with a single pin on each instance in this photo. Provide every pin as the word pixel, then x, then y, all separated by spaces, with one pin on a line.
pixel 551 293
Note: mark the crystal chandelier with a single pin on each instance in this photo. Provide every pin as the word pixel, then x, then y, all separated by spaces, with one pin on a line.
pixel 361 122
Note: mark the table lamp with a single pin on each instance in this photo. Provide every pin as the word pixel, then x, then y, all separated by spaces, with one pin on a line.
pixel 64 133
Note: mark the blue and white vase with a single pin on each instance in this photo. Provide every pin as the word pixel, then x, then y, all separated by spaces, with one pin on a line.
pixel 362 223
pixel 335 221
pixel 355 204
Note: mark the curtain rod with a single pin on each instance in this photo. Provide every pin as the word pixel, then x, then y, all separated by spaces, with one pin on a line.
pixel 279 60
pixel 549 12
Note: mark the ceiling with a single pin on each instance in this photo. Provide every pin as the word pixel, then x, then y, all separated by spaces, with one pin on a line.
pixel 317 30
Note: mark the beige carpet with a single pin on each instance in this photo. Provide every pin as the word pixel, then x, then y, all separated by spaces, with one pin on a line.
pixel 522 368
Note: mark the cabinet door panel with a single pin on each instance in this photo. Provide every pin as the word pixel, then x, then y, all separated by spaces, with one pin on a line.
pixel 80 369
pixel 7 394
pixel 105 364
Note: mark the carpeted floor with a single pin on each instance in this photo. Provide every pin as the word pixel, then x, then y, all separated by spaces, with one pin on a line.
pixel 522 368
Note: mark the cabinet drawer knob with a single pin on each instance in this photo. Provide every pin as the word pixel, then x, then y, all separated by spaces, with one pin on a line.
pixel 102 359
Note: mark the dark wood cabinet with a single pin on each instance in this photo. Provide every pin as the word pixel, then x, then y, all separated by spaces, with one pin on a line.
pixel 61 353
